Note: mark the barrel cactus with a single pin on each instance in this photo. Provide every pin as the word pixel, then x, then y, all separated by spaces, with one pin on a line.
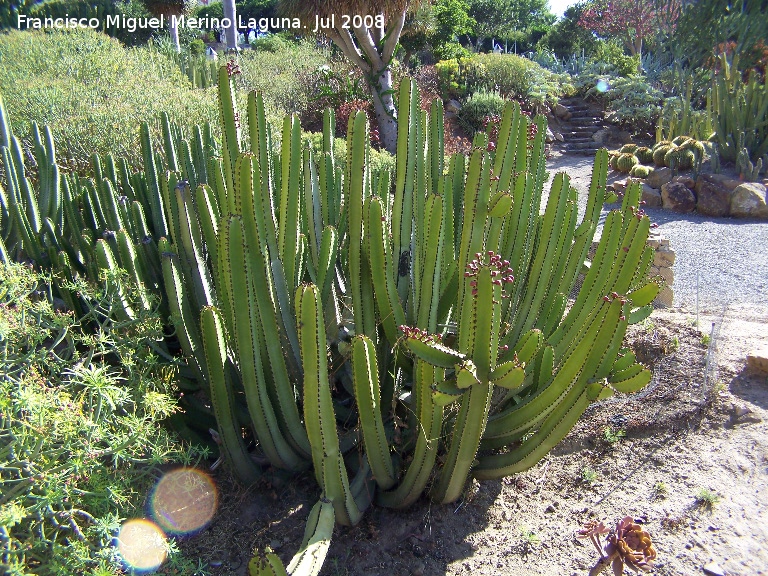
pixel 644 154
pixel 625 162
pixel 660 152
pixel 628 148
pixel 640 171
pixel 680 140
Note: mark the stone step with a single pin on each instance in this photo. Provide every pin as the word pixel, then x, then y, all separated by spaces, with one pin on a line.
pixel 582 145
pixel 582 132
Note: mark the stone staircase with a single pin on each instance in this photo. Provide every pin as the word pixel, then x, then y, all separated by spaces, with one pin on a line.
pixel 579 126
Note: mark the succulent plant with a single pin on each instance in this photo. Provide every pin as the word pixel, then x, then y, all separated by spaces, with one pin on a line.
pixel 679 140
pixel 626 545
pixel 660 153
pixel 640 171
pixel 628 148
pixel 625 161
pixel 644 155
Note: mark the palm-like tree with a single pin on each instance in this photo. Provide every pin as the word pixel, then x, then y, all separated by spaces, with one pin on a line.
pixel 370 48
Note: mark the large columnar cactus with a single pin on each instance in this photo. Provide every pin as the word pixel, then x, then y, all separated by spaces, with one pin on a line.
pixel 419 319
pixel 740 112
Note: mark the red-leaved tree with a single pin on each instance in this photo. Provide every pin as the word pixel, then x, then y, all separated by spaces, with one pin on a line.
pixel 631 21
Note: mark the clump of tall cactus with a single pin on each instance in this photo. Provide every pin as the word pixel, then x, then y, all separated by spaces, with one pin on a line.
pixel 740 112
pixel 398 334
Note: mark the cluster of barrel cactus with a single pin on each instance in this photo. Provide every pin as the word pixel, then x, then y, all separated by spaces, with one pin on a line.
pixel 682 153
pixel 397 333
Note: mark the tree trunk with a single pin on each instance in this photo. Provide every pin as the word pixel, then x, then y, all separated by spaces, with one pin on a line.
pixel 230 33
pixel 384 108
pixel 173 30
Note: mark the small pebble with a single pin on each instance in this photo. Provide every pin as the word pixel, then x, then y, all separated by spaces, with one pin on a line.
pixel 714 569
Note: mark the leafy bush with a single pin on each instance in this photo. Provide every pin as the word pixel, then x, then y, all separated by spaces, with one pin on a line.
pixel 284 77
pixel 451 75
pixel 612 53
pixel 513 76
pixel 93 92
pixel 82 400
pixel 478 107
pixel 629 101
pixel 269 43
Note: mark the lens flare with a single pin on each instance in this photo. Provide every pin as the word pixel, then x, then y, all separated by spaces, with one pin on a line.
pixel 602 86
pixel 141 545
pixel 183 501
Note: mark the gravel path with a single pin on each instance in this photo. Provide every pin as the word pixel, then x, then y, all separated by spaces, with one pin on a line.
pixel 725 260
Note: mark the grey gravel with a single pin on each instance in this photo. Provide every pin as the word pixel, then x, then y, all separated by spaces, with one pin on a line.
pixel 723 260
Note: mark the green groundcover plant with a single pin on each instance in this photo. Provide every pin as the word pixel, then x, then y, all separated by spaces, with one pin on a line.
pixel 82 401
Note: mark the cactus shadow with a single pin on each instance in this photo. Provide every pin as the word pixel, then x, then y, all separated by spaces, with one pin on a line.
pixel 422 540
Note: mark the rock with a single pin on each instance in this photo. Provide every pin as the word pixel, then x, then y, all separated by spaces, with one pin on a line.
pixel 449 115
pixel 453 106
pixel 659 177
pixel 650 196
pixel 748 201
pixel 560 111
pixel 655 240
pixel 757 361
pixel 677 197
pixel 687 180
pixel 666 274
pixel 665 297
pixel 619 186
pixel 550 136
pixel 559 137
pixel 549 509
pixel 664 258
pixel 713 569
pixel 601 135
pixel 713 192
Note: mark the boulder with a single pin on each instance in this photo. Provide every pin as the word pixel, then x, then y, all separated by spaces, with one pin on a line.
pixel 559 137
pixel 619 186
pixel 453 106
pixel 713 192
pixel 687 180
pixel 677 197
pixel 549 137
pixel 757 361
pixel 659 177
pixel 560 111
pixel 601 135
pixel 748 201
pixel 650 196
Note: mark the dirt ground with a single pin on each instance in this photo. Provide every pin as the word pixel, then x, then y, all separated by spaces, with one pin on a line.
pixel 692 468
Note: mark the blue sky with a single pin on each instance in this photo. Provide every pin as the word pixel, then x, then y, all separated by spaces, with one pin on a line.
pixel 559 6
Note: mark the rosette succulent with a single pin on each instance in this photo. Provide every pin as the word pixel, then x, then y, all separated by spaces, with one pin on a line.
pixel 627 545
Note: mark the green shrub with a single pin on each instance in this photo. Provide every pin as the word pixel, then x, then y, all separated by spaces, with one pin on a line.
pixel 269 43
pixel 83 400
pixel 612 53
pixel 197 47
pixel 631 102
pixel 452 77
pixel 479 106
pixel 285 77
pixel 93 92
pixel 514 77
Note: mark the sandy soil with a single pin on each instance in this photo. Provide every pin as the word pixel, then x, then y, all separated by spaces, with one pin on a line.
pixel 701 425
